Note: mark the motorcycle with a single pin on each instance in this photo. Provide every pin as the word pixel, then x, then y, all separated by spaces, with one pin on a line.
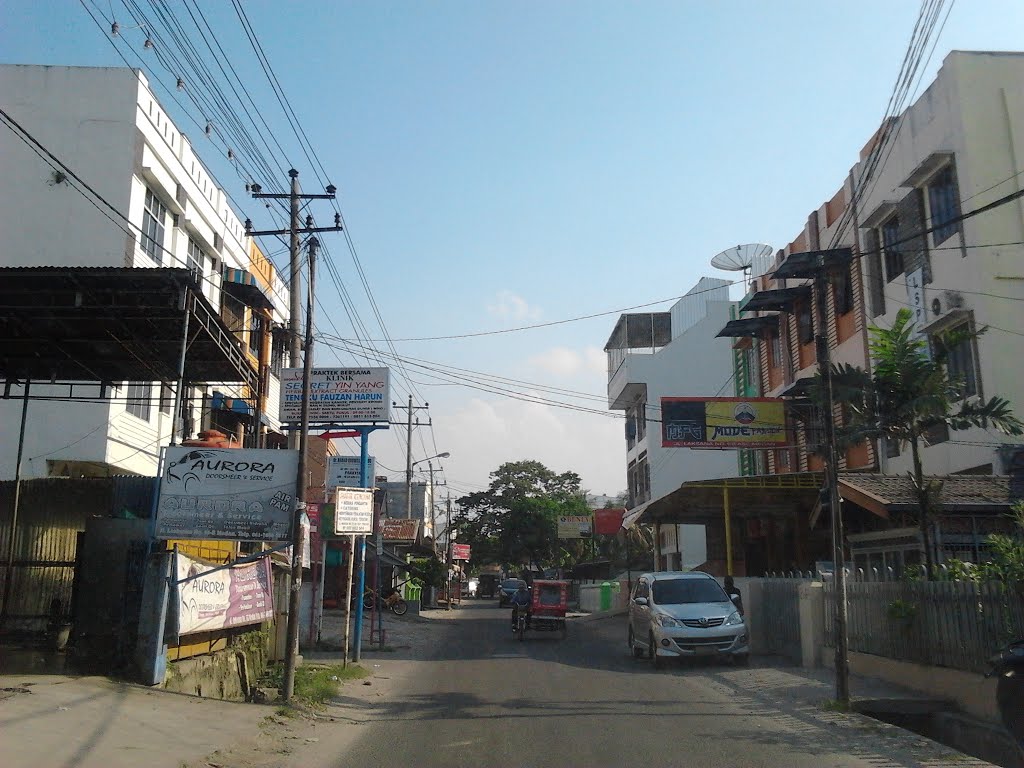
pixel 1008 665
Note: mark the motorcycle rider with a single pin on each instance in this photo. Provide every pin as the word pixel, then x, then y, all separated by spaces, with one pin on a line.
pixel 520 601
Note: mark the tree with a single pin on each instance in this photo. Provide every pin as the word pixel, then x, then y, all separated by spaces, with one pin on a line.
pixel 909 393
pixel 515 519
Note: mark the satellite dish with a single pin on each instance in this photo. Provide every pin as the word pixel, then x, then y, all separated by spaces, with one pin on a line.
pixel 741 257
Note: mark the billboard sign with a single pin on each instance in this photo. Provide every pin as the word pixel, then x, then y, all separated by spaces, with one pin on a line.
pixel 460 551
pixel 337 395
pixel 353 511
pixel 723 422
pixel 227 493
pixel 575 526
pixel 230 597
pixel 607 522
pixel 343 472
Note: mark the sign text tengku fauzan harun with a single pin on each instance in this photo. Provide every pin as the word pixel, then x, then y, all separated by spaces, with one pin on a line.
pixel 337 395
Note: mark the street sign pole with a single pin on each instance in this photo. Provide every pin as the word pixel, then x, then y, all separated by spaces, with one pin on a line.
pixel 364 466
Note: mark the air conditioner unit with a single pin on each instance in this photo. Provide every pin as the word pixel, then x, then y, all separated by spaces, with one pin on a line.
pixel 953 300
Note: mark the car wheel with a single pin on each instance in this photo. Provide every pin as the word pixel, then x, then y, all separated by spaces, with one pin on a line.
pixel 652 650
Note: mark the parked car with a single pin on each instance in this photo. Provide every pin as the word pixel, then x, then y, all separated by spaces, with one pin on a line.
pixel 506 589
pixel 673 614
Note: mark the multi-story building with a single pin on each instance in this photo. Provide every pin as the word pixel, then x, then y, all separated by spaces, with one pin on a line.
pixel 955 151
pixel 670 354
pixel 108 127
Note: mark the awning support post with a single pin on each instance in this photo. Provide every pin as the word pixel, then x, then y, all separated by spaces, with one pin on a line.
pixel 728 530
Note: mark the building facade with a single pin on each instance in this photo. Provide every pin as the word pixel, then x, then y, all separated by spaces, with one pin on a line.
pixel 108 127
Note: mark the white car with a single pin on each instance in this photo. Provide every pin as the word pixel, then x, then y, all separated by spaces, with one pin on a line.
pixel 675 614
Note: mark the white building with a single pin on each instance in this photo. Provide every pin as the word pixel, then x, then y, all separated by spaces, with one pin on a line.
pixel 106 125
pixel 671 354
pixel 957 149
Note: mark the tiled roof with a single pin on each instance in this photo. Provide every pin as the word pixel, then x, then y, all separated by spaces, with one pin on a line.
pixel 400 529
pixel 964 492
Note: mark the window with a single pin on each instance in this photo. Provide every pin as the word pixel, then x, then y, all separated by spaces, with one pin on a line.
pixel 891 249
pixel 805 322
pixel 892 447
pixel 166 398
pixel 195 261
pixel 944 205
pixel 153 220
pixel 774 350
pixel 844 291
pixel 641 420
pixel 277 354
pixel 140 395
pixel 255 333
pixel 961 365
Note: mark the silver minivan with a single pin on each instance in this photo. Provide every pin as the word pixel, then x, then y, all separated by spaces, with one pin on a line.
pixel 675 614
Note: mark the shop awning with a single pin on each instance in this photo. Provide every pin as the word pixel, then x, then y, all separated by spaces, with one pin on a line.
pixel 222 402
pixel 749 326
pixel 244 286
pixel 779 299
pixel 805 263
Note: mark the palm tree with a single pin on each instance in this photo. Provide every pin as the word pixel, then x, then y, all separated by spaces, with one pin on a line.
pixel 909 393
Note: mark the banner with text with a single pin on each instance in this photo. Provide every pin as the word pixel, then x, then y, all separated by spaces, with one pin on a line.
pixel 723 422
pixel 460 551
pixel 230 597
pixel 343 472
pixel 353 511
pixel 575 526
pixel 243 494
pixel 337 395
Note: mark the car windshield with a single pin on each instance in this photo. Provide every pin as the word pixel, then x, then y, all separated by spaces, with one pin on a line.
pixel 511 584
pixel 678 591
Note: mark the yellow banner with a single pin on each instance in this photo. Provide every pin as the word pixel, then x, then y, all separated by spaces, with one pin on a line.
pixel 745 423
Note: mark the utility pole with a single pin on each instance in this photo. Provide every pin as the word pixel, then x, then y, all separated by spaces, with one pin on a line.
pixel 297 441
pixel 832 481
pixel 408 451
pixel 448 549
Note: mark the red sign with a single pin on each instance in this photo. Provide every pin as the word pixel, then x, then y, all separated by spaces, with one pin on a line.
pixel 607 522
pixel 313 513
pixel 460 551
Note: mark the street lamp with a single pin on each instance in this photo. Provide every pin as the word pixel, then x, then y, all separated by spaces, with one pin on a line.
pixel 408 481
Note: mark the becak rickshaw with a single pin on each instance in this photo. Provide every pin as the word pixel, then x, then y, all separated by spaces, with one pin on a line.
pixel 549 601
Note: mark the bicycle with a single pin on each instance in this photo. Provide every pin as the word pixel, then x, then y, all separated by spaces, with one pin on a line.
pixel 392 602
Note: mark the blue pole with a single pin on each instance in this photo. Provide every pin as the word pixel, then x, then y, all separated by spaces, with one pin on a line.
pixel 360 553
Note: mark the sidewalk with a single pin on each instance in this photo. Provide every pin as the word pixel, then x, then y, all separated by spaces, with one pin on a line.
pixel 55 721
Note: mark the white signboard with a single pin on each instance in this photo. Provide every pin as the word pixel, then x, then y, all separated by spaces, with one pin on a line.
pixel 337 395
pixel 343 472
pixel 227 493
pixel 575 526
pixel 353 511
pixel 916 300
pixel 217 599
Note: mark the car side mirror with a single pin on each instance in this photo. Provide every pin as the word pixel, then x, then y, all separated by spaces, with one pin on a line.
pixel 735 599
pixel 639 601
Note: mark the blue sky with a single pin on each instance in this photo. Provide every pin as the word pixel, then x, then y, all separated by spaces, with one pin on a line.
pixel 504 164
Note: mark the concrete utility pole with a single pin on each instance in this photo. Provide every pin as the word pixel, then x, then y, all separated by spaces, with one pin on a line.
pixel 832 481
pixel 297 439
pixel 408 451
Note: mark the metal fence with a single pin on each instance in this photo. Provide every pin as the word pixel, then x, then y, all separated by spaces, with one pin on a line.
pixel 940 623
pixel 781 614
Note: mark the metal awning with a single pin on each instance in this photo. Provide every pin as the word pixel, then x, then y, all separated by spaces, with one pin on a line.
pixel 633 515
pixel 244 286
pixel 806 263
pixel 113 324
pixel 799 388
pixel 749 326
pixel 779 299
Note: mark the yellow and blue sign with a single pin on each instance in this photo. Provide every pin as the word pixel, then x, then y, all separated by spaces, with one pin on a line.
pixel 723 422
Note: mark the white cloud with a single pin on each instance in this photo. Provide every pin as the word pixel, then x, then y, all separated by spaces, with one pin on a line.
pixel 511 307
pixel 595 360
pixel 560 361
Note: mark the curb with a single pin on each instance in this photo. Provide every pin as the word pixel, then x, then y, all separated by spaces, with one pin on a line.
pixel 598 615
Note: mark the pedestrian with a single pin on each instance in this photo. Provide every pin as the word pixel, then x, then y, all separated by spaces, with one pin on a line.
pixel 734 593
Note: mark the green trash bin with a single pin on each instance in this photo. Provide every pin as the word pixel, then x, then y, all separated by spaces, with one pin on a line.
pixel 606 596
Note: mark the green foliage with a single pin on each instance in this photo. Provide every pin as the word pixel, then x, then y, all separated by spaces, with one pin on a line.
pixel 901 610
pixel 907 394
pixel 316 684
pixel 431 572
pixel 515 520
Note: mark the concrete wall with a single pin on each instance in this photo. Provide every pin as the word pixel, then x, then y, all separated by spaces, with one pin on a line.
pixel 590 597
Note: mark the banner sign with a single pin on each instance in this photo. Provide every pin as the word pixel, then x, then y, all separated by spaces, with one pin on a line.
pixel 315 542
pixel 240 494
pixel 337 395
pixel 607 522
pixel 460 551
pixel 353 511
pixel 723 422
pixel 230 597
pixel 343 472
pixel 575 526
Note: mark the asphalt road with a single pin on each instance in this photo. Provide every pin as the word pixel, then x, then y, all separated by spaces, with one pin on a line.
pixel 485 699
